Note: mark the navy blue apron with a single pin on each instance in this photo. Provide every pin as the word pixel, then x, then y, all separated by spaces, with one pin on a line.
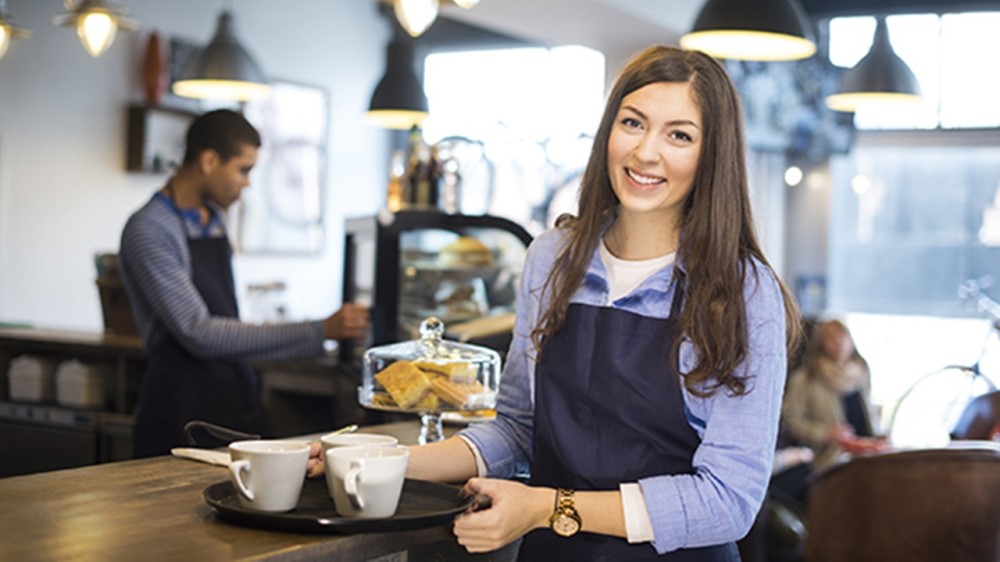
pixel 179 387
pixel 609 409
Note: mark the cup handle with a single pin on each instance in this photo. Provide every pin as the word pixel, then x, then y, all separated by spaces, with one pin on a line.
pixel 351 480
pixel 236 469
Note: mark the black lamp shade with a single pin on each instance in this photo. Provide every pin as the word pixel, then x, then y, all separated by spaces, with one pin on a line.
pixel 399 101
pixel 880 77
pixel 752 30
pixel 223 69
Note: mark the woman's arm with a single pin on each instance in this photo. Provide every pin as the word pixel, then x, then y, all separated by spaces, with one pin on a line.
pixel 718 502
pixel 799 413
pixel 450 460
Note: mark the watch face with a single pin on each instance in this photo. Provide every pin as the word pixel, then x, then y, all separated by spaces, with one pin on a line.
pixel 565 525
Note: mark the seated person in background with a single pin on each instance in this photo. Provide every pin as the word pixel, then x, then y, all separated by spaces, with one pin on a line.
pixel 826 403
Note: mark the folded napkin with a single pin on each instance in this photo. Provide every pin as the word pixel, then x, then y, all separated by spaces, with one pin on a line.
pixel 219 458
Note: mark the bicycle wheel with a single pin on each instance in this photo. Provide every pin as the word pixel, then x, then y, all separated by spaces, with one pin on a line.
pixel 927 412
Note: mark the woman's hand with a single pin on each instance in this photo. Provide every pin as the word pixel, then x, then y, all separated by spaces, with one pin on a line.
pixel 515 509
pixel 314 466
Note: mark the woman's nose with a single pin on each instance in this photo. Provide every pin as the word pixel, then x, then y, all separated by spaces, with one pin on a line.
pixel 646 149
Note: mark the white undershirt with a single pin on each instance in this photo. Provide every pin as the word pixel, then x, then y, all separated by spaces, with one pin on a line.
pixel 623 277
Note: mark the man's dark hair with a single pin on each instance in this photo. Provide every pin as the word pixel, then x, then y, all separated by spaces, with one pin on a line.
pixel 223 131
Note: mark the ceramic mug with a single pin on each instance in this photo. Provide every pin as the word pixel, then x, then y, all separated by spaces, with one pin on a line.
pixel 366 482
pixel 332 440
pixel 267 474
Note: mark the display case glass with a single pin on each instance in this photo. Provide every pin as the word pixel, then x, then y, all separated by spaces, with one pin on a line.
pixel 413 264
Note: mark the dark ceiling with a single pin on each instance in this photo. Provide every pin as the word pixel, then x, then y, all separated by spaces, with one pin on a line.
pixel 827 8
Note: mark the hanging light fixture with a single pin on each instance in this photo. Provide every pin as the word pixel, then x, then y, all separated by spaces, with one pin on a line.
pixel 764 30
pixel 223 70
pixel 96 22
pixel 9 29
pixel 399 101
pixel 415 15
pixel 881 77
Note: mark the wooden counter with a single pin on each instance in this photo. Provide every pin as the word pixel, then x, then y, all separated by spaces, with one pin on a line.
pixel 300 397
pixel 153 509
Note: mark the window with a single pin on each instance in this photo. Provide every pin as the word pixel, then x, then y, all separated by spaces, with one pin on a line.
pixel 531 112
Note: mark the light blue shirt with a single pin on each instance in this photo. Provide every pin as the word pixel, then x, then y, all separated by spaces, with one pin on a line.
pixel 717 503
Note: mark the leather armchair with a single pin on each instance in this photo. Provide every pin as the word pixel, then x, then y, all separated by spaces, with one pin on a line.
pixel 919 505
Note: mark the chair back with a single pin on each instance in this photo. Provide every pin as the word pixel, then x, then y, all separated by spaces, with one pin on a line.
pixel 919 505
pixel 980 418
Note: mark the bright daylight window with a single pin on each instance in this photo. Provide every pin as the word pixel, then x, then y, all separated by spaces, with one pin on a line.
pixel 950 54
pixel 527 116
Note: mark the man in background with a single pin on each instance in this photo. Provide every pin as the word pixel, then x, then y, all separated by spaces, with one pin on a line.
pixel 176 262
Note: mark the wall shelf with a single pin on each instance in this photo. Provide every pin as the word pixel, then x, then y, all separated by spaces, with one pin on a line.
pixel 155 141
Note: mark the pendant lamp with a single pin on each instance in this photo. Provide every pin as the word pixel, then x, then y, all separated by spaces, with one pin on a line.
pixel 223 70
pixel 415 15
pixel 763 30
pixel 399 101
pixel 9 29
pixel 96 23
pixel 881 77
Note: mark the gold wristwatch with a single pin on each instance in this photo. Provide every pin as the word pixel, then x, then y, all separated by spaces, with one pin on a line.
pixel 565 520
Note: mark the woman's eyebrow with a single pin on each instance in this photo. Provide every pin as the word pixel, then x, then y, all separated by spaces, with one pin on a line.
pixel 672 123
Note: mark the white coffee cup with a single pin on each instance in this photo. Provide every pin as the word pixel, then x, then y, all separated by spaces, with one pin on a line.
pixel 267 474
pixel 365 481
pixel 332 440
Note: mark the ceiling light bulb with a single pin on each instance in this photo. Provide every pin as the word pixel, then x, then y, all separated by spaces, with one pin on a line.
pixel 793 176
pixel 466 4
pixel 416 15
pixel 96 23
pixel 4 40
pixel 9 30
pixel 96 31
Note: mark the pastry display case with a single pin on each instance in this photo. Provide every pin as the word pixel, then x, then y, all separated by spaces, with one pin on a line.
pixel 430 376
pixel 414 264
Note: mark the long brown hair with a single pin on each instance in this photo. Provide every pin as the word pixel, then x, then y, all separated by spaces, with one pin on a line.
pixel 717 240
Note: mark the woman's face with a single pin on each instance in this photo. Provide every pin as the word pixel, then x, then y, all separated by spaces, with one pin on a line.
pixel 837 344
pixel 653 150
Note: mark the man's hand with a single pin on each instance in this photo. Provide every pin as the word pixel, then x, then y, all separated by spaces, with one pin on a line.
pixel 350 322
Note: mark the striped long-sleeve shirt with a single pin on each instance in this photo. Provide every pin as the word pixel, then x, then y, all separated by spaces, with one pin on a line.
pixel 156 269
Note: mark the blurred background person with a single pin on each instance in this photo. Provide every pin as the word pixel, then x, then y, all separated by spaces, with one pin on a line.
pixel 826 405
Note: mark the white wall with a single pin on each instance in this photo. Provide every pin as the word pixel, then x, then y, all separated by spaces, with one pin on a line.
pixel 64 191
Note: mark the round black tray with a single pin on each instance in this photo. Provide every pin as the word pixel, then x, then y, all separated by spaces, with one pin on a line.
pixel 422 504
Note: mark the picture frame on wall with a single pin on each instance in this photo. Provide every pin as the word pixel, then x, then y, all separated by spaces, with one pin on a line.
pixel 282 210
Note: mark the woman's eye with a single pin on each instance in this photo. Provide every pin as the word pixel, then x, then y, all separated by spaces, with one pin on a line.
pixel 631 122
pixel 681 136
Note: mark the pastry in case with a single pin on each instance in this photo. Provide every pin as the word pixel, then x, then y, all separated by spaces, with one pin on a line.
pixel 429 374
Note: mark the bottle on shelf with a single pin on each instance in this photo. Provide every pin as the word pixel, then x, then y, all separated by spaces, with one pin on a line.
pixel 397 173
pixel 414 167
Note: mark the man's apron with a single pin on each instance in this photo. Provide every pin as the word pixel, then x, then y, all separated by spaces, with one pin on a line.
pixel 179 387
